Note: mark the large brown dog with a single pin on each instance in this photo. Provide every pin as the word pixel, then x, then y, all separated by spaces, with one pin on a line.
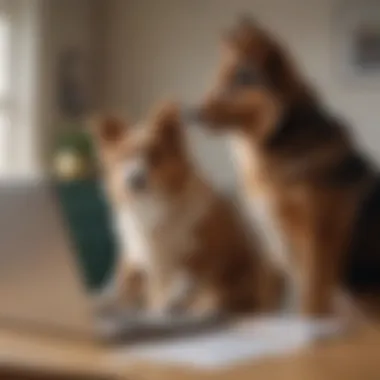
pixel 306 184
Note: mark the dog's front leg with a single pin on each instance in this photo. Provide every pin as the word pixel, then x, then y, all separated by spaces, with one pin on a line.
pixel 130 284
pixel 126 288
pixel 321 240
pixel 270 287
pixel 157 293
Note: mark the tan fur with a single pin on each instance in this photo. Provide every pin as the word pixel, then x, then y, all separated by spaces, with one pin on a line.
pixel 294 158
pixel 193 237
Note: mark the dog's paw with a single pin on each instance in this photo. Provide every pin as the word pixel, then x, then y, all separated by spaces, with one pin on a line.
pixel 206 305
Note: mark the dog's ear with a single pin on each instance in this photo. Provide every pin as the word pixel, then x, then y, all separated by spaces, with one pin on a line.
pixel 281 72
pixel 107 131
pixel 245 25
pixel 167 122
pixel 245 38
pixel 275 67
pixel 246 21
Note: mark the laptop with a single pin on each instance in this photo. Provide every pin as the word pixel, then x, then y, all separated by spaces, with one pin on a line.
pixel 41 285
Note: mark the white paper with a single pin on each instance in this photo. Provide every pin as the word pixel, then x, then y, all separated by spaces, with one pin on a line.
pixel 250 341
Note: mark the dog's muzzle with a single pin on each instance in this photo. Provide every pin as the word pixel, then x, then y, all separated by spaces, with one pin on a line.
pixel 246 76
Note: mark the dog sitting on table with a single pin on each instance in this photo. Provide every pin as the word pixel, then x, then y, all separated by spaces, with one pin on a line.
pixel 183 246
pixel 315 197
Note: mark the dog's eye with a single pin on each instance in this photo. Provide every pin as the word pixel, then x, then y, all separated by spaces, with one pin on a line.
pixel 245 76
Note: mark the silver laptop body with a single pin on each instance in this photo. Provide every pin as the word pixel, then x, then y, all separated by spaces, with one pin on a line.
pixel 40 283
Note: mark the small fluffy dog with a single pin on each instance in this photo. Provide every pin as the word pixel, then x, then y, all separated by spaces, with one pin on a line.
pixel 182 245
pixel 309 189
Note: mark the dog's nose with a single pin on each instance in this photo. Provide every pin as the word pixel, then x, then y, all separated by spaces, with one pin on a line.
pixel 190 115
pixel 137 181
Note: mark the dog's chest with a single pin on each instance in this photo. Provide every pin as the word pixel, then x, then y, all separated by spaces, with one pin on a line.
pixel 259 205
pixel 265 222
pixel 151 235
pixel 246 157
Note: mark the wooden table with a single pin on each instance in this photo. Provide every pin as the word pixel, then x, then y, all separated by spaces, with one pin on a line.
pixel 356 357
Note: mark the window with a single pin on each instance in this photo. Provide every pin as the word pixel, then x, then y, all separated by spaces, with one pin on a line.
pixel 19 50
pixel 5 84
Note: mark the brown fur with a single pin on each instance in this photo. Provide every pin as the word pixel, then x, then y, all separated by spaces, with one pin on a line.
pixel 298 156
pixel 223 264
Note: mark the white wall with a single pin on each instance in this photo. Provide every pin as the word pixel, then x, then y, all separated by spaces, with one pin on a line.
pixel 169 48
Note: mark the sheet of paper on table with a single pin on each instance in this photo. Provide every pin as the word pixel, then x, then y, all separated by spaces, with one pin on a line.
pixel 256 339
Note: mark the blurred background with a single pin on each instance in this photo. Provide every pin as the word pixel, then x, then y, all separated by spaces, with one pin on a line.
pixel 126 54
pixel 63 60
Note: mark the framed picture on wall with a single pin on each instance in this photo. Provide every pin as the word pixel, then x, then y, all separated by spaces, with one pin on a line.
pixel 72 83
pixel 358 40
